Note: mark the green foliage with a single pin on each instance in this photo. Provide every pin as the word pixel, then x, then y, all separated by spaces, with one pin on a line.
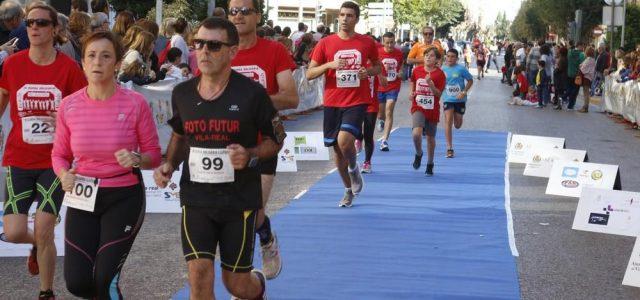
pixel 631 31
pixel 139 7
pixel 501 26
pixel 419 13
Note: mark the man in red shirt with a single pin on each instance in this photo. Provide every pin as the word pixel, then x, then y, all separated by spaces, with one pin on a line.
pixel 341 58
pixel 33 83
pixel 268 63
pixel 389 88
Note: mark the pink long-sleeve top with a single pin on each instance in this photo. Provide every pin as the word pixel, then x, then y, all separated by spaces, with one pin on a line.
pixel 89 132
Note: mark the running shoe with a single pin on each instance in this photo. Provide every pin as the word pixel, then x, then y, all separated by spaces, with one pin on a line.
pixel 380 125
pixel 417 160
pixel 347 200
pixel 32 262
pixel 263 280
pixel 366 167
pixel 46 295
pixel 450 153
pixel 356 181
pixel 3 237
pixel 429 171
pixel 384 146
pixel 271 261
pixel 358 144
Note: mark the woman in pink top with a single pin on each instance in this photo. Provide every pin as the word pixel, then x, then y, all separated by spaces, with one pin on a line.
pixel 104 134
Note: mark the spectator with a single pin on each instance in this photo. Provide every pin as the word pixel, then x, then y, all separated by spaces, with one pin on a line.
pixel 178 38
pixel 136 64
pixel 602 64
pixel 270 23
pixel 588 70
pixel 575 58
pixel 407 67
pixel 286 32
pixel 302 54
pixel 100 6
pixel 532 62
pixel 124 20
pixel 99 22
pixel 186 70
pixel 560 78
pixel 153 28
pixel 63 40
pixel 219 12
pixel 522 84
pixel 296 36
pixel 12 16
pixel 79 6
pixel 543 84
pixel 508 58
pixel 319 33
pixel 163 42
pixel 171 69
pixel 278 31
pixel 131 35
pixel 79 27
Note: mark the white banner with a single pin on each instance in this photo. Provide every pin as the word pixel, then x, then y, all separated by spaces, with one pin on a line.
pixel 608 211
pixel 568 178
pixel 309 146
pixel 286 157
pixel 158 96
pixel 541 160
pixel 522 144
pixel 16 250
pixel 632 275
pixel 160 200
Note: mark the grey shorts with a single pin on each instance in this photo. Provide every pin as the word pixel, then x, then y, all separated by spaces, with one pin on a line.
pixel 419 121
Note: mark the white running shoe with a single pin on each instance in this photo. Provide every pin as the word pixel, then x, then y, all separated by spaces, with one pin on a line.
pixel 271 261
pixel 356 180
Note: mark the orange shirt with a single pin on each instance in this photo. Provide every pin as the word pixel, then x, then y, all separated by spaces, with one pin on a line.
pixel 417 51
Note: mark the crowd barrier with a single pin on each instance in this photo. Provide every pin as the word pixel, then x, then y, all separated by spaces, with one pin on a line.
pixel 622 98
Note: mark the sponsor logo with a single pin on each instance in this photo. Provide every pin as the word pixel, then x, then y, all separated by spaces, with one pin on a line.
pixel 570 172
pixel 610 208
pixel 173 186
pixel 598 219
pixel 305 150
pixel 127 228
pixel 519 146
pixel 570 184
pixel 596 175
pixel 537 158
pixel 121 117
pixel 234 107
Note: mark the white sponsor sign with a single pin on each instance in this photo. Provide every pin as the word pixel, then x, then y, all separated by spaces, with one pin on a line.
pixel 568 178
pixel 632 275
pixel 286 157
pixel 608 211
pixel 522 144
pixel 309 146
pixel 16 250
pixel 162 200
pixel 158 95
pixel 541 160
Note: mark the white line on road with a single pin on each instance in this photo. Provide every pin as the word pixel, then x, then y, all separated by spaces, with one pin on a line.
pixel 392 130
pixel 300 195
pixel 507 204
pixel 332 170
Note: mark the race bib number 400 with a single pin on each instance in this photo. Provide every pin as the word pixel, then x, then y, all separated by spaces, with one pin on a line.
pixel 426 102
pixel 38 130
pixel 210 165
pixel 83 195
pixel 347 79
pixel 453 90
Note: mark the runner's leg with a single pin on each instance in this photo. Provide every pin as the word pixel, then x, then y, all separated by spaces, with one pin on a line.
pixel 388 123
pixel 448 124
pixel 369 127
pixel 341 165
pixel 81 230
pixel 44 225
pixel 201 278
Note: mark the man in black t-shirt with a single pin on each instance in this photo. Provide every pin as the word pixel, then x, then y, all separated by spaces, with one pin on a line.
pixel 217 119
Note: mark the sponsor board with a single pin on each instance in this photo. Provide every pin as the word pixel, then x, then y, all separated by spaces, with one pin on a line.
pixel 521 145
pixel 608 211
pixel 568 178
pixel 17 250
pixel 162 200
pixel 541 160
pixel 287 157
pixel 309 146
pixel 632 274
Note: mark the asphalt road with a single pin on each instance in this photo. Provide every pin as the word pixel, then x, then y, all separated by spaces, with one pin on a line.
pixel 555 261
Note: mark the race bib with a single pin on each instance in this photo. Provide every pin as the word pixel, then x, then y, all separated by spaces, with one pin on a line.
pixel 210 165
pixel 83 195
pixel 426 102
pixel 392 75
pixel 38 130
pixel 453 90
pixel 347 79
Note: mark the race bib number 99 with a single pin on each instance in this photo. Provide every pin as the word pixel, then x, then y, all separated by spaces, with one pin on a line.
pixel 347 79
pixel 210 165
pixel 38 130
pixel 83 195
pixel 453 90
pixel 426 102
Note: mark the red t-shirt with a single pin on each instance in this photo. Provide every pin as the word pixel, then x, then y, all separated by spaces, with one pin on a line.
pixel 349 90
pixel 391 68
pixel 34 92
pixel 425 101
pixel 263 62
pixel 523 83
pixel 373 87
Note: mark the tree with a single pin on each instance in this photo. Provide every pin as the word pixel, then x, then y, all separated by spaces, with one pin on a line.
pixel 501 26
pixel 632 30
pixel 419 13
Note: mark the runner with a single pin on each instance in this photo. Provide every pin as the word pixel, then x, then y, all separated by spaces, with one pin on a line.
pixel 427 84
pixel 274 73
pixel 217 119
pixel 459 82
pixel 342 57
pixel 369 123
pixel 103 169
pixel 34 82
pixel 481 56
pixel 416 55
pixel 389 89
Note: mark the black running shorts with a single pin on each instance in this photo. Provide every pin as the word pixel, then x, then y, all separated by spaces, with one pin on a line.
pixel 459 107
pixel 347 119
pixel 203 228
pixel 24 186
pixel 269 166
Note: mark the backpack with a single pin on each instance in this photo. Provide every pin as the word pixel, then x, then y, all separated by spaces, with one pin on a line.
pixel 162 56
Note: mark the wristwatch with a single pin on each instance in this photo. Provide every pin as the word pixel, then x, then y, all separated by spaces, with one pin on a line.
pixel 253 162
pixel 139 156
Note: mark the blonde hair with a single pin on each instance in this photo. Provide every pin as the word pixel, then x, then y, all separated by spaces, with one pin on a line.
pixel 143 43
pixel 131 35
pixel 79 24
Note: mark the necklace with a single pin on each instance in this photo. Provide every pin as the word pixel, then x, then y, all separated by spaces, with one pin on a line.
pixel 215 94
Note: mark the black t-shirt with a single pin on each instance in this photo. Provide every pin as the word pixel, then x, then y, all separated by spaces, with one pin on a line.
pixel 242 113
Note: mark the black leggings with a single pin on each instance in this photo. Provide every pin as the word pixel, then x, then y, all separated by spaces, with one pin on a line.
pixel 97 243
pixel 369 126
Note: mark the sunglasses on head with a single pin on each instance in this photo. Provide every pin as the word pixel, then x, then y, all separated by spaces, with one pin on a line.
pixel 213 46
pixel 38 22
pixel 245 11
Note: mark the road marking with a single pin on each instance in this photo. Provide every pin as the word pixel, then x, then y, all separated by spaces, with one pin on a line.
pixel 507 204
pixel 392 130
pixel 300 195
pixel 332 170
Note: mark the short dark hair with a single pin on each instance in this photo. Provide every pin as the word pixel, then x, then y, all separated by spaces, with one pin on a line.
pixel 435 50
pixel 454 51
pixel 226 25
pixel 100 6
pixel 104 35
pixel 301 26
pixel 53 13
pixel 352 5
pixel 181 25
pixel 80 5
pixel 389 35
pixel 256 4
pixel 173 54
pixel 184 65
pixel 542 63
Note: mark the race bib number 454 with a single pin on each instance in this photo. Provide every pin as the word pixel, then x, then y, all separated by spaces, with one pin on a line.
pixel 426 102
pixel 38 130
pixel 210 165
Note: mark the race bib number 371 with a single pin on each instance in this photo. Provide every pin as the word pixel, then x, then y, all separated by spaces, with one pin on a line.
pixel 210 165
pixel 38 130
pixel 347 78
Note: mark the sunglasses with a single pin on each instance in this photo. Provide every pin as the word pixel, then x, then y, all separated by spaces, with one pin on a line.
pixel 38 22
pixel 427 33
pixel 245 11
pixel 213 46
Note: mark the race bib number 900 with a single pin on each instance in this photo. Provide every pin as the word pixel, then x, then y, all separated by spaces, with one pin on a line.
pixel 210 165
pixel 453 90
pixel 426 102
pixel 347 79
pixel 38 130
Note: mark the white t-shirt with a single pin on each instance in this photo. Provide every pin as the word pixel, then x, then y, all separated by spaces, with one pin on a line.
pixel 520 57
pixel 177 41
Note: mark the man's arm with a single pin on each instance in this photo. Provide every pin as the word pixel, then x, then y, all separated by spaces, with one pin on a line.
pixel 375 68
pixel 287 96
pixel 316 70
pixel 240 156
pixel 4 100
pixel 176 150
